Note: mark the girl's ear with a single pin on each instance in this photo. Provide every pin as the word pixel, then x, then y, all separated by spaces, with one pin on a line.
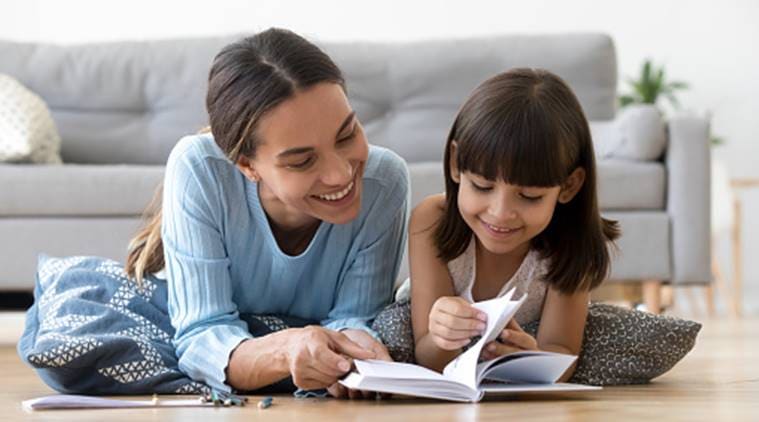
pixel 245 165
pixel 572 185
pixel 454 166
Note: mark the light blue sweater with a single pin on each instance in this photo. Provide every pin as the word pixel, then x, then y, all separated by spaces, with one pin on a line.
pixel 222 258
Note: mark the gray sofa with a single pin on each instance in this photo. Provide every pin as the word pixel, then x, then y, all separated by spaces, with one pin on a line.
pixel 120 107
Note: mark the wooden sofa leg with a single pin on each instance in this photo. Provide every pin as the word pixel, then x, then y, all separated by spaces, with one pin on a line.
pixel 652 295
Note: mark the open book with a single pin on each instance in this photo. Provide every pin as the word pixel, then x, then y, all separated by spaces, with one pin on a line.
pixel 465 378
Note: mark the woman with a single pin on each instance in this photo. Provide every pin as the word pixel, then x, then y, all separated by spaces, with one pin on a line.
pixel 283 209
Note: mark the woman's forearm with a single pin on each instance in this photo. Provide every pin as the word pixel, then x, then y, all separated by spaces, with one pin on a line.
pixel 259 362
pixel 429 355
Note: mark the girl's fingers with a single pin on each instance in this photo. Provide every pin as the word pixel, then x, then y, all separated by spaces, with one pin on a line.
pixel 461 308
pixel 449 345
pixel 519 339
pixel 450 334
pixel 455 322
pixel 498 349
pixel 514 325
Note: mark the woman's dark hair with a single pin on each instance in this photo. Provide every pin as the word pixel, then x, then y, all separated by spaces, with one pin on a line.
pixel 248 78
pixel 527 128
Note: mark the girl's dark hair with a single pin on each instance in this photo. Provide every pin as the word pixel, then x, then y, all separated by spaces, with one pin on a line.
pixel 527 128
pixel 248 78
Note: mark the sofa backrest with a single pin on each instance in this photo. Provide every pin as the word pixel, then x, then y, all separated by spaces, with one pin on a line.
pixel 129 102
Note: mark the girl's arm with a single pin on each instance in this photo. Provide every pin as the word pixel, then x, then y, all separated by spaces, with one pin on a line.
pixel 562 324
pixel 430 281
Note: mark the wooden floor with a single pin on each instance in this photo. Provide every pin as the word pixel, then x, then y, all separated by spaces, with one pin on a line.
pixel 718 381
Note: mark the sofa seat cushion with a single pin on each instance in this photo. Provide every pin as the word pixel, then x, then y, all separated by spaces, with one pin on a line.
pixel 631 185
pixel 76 190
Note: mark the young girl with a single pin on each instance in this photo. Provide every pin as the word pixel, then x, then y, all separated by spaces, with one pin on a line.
pixel 520 211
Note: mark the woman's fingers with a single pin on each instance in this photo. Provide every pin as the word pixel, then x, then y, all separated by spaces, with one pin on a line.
pixel 329 361
pixel 348 347
pixel 381 353
pixel 337 391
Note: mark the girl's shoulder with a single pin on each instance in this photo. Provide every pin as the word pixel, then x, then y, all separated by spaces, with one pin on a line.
pixel 427 213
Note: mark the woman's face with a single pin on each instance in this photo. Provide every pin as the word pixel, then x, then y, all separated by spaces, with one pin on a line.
pixel 310 160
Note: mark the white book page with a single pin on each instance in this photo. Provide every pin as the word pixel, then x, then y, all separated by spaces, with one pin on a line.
pixel 438 389
pixel 463 369
pixel 528 367
pixel 396 370
pixel 522 388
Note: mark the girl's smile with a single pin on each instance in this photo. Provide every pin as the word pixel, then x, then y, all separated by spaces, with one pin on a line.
pixel 500 232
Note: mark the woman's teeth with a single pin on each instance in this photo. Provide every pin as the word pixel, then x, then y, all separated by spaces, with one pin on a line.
pixel 337 196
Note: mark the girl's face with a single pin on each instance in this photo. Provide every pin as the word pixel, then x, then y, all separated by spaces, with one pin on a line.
pixel 506 217
pixel 310 162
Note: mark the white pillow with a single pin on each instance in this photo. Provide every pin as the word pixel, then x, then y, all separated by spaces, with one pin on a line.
pixel 27 131
pixel 638 132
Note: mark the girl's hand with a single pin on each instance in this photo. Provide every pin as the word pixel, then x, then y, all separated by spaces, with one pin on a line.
pixel 365 340
pixel 512 339
pixel 317 357
pixel 453 322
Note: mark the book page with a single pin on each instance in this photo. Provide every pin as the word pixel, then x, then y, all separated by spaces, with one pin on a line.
pixel 397 370
pixel 528 367
pixel 463 369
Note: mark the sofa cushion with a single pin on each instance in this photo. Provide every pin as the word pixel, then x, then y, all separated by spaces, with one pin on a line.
pixel 76 190
pixel 631 185
pixel 129 102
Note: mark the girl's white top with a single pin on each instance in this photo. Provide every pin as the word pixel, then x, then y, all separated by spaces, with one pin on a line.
pixel 529 278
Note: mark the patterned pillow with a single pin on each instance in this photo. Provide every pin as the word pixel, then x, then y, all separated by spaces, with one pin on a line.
pixel 625 346
pixel 92 330
pixel 620 346
pixel 27 131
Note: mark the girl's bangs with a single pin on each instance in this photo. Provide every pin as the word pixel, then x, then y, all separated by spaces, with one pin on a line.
pixel 524 150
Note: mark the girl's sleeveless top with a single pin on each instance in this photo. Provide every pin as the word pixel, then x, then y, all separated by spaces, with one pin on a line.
pixel 529 279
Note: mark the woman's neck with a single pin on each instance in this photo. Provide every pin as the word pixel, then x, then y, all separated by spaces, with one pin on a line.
pixel 292 228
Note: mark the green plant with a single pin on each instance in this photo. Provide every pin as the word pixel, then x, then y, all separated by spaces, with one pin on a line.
pixel 650 86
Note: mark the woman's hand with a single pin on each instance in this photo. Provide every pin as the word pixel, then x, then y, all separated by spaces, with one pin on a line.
pixel 365 340
pixel 512 339
pixel 318 357
pixel 454 321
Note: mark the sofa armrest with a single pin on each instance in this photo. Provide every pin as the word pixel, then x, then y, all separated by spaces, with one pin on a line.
pixel 688 195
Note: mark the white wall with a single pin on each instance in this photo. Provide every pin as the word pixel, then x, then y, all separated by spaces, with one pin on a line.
pixel 710 44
